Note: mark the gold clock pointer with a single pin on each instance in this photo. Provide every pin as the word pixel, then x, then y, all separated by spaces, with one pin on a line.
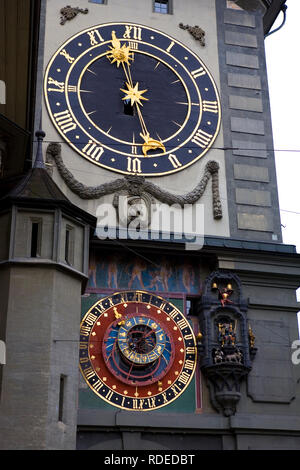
pixel 134 94
pixel 151 144
pixel 122 55
pixel 118 53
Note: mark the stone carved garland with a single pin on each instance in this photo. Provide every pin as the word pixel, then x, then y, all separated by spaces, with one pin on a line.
pixel 137 185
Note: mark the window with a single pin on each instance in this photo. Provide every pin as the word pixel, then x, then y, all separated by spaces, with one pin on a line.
pixel 36 232
pixel 69 245
pixel 163 6
pixel 231 4
pixel 192 305
pixel 2 92
pixel 101 2
pixel 62 386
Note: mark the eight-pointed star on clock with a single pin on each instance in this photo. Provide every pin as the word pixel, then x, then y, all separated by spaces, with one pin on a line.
pixel 134 94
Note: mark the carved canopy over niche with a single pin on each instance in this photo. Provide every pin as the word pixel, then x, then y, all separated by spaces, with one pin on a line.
pixel 227 345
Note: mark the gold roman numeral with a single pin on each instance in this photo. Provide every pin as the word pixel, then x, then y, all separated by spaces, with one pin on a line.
pixel 98 385
pixel 67 56
pixel 188 336
pixel 93 150
pixel 182 323
pixel 198 73
pixel 174 160
pixel 202 138
pixel 90 319
pixel 85 330
pixel 134 165
pixel 95 37
pixel 100 308
pixel 210 106
pixel 170 46
pixel 189 364
pixel 65 121
pixel 138 404
pixel 109 395
pixel 173 313
pixel 84 360
pixel 190 350
pixel 134 149
pixel 184 378
pixel 89 373
pixel 175 389
pixel 133 45
pixel 60 86
pixel 133 32
pixel 150 402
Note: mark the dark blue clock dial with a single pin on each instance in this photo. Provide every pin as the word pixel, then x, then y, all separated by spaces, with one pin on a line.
pixel 102 99
pixel 131 99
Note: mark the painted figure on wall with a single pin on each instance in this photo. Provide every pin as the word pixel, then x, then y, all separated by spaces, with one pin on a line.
pixel 159 274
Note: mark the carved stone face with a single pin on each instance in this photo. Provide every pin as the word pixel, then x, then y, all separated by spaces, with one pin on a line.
pixel 139 212
pixel 134 211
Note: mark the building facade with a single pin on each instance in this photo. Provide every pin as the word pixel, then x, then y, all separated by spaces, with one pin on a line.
pixel 148 300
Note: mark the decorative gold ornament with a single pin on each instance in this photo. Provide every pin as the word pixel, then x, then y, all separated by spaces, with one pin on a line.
pixel 151 144
pixel 118 53
pixel 199 336
pixel 134 94
pixel 251 337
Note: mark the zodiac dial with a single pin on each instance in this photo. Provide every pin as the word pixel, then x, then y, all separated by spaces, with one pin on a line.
pixel 132 99
pixel 137 351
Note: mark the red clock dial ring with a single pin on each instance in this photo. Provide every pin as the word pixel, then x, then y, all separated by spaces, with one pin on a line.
pixel 122 380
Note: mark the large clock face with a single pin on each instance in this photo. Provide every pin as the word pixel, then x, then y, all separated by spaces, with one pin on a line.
pixel 137 351
pixel 131 99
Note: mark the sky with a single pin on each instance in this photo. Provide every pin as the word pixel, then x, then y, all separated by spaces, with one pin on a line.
pixel 283 65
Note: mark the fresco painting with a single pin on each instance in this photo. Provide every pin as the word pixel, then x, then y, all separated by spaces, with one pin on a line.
pixel 157 274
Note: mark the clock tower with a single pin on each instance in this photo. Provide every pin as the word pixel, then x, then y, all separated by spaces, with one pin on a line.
pixel 158 127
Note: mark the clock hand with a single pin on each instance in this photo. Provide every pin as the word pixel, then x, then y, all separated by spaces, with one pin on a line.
pixel 122 55
pixel 118 53
pixel 135 96
pixel 112 350
pixel 129 371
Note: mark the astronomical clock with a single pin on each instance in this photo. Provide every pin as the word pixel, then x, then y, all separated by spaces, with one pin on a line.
pixel 133 100
pixel 137 351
